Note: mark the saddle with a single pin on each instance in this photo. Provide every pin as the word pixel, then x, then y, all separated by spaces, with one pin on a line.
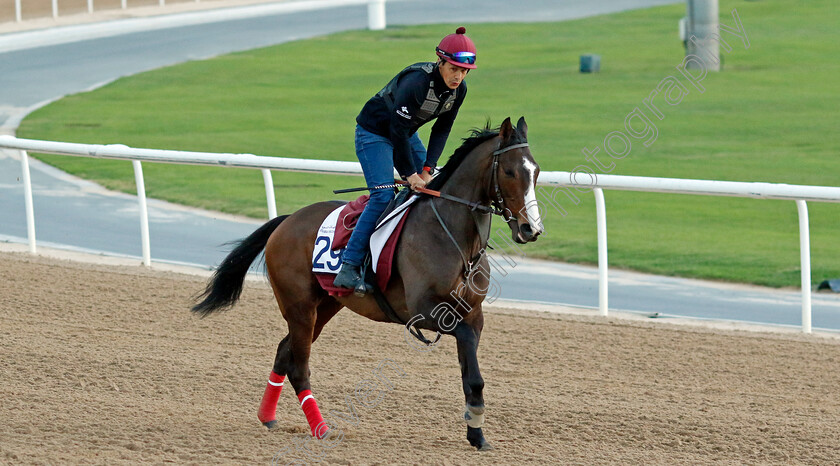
pixel 376 269
pixel 354 208
pixel 335 232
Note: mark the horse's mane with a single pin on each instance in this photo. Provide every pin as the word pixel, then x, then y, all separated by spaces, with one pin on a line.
pixel 476 137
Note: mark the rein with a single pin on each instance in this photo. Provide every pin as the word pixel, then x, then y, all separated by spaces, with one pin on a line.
pixel 479 214
pixel 497 209
pixel 497 206
pixel 431 192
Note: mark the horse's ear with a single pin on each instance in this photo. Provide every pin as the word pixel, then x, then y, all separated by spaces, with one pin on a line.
pixel 506 130
pixel 522 127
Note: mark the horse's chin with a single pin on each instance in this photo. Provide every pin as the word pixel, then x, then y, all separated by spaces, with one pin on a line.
pixel 516 233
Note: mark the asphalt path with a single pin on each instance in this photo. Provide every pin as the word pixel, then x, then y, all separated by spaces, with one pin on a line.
pixel 41 66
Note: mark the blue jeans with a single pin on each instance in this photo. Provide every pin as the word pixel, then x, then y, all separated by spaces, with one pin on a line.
pixel 376 155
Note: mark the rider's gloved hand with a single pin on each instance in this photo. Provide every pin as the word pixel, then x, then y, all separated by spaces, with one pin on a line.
pixel 416 181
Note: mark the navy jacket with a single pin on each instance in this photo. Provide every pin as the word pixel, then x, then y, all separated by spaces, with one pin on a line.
pixel 412 98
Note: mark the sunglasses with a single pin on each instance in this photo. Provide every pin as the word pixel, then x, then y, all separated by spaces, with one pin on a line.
pixel 460 57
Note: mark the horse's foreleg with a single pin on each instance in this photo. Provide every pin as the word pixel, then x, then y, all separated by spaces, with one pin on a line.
pixel 467 337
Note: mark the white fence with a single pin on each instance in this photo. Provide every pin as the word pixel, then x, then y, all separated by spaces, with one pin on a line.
pixel 597 184
pixel 376 8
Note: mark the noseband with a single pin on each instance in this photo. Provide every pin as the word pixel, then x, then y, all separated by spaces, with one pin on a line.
pixel 499 202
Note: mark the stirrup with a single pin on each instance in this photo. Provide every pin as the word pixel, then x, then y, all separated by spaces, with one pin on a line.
pixel 361 289
pixel 367 282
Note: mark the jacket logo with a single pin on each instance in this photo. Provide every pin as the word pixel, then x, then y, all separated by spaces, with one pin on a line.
pixel 447 106
pixel 403 112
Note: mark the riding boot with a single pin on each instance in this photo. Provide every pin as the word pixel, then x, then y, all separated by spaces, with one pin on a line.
pixel 350 277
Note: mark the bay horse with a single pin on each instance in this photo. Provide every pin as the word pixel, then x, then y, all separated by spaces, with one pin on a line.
pixel 433 286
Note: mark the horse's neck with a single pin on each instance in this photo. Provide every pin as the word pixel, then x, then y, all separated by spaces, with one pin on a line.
pixel 470 181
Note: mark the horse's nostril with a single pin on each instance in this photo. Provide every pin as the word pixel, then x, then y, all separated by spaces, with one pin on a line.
pixel 526 230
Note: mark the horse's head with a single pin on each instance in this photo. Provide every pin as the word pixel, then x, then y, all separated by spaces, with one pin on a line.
pixel 514 181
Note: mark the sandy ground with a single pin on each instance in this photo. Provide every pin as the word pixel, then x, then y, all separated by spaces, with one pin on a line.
pixel 104 364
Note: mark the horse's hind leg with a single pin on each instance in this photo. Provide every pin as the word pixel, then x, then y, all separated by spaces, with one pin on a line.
pixel 283 364
pixel 268 406
pixel 301 333
pixel 326 310
pixel 467 337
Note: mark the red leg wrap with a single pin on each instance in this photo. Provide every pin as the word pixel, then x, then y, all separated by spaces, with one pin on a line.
pixel 313 414
pixel 268 405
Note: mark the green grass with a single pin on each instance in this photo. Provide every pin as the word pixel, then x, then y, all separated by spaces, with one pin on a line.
pixel 771 115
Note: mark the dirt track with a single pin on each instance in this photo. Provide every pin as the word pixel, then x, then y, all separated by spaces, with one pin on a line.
pixel 104 364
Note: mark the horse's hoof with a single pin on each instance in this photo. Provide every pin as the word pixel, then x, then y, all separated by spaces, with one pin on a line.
pixel 485 447
pixel 476 439
pixel 271 424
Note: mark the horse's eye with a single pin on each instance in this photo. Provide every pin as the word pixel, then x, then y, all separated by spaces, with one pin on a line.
pixel 509 173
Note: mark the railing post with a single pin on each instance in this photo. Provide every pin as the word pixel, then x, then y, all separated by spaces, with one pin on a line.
pixel 269 193
pixel 124 4
pixel 90 6
pixel 144 212
pixel 55 9
pixel 805 264
pixel 18 16
pixel 601 216
pixel 27 195
pixel 376 15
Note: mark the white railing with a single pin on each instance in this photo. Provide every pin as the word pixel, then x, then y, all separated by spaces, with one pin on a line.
pixel 566 180
pixel 798 193
pixel 376 8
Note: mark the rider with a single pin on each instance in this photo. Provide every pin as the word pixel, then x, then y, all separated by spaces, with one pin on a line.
pixel 386 137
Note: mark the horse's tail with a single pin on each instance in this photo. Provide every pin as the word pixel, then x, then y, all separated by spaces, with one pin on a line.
pixel 226 285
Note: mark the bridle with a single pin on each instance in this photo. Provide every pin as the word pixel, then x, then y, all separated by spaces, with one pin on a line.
pixel 496 207
pixel 499 202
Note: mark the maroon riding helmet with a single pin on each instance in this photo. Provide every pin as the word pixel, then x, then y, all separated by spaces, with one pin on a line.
pixel 457 49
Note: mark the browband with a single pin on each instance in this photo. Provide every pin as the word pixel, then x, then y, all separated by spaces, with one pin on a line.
pixel 515 146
